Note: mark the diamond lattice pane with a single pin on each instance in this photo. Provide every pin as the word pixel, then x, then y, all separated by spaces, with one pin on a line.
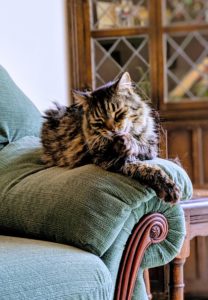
pixel 118 13
pixel 113 56
pixel 186 11
pixel 187 66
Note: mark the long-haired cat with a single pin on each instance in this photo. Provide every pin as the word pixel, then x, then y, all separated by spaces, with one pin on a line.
pixel 112 128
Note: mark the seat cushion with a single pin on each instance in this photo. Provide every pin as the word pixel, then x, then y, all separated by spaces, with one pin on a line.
pixel 32 269
pixel 18 115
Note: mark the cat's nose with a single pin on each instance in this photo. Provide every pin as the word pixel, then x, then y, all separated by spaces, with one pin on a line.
pixel 110 124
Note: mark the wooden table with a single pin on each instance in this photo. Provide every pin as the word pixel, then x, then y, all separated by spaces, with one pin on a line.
pixel 196 216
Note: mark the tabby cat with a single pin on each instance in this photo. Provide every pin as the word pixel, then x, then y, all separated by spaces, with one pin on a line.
pixel 112 128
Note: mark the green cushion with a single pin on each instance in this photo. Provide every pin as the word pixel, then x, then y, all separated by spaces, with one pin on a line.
pixel 18 116
pixel 86 206
pixel 38 270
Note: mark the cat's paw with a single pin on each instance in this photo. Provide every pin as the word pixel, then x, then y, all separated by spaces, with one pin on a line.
pixel 124 145
pixel 169 192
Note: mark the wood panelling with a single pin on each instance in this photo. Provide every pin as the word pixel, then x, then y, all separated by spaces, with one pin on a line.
pixel 180 145
pixel 205 154
pixel 196 267
pixel 159 278
pixel 188 140
pixel 191 265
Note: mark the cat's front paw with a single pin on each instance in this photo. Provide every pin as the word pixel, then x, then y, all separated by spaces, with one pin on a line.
pixel 169 192
pixel 124 145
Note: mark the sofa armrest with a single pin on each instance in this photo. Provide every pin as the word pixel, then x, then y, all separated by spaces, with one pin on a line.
pixel 156 242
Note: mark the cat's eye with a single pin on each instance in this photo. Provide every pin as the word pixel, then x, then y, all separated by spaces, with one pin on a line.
pixel 99 125
pixel 120 116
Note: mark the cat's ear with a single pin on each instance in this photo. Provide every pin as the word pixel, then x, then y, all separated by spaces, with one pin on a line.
pixel 124 83
pixel 81 98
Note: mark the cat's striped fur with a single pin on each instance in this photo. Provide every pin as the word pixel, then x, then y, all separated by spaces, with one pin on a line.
pixel 112 128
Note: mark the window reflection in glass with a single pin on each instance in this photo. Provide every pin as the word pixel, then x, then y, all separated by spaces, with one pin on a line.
pixel 186 11
pixel 187 66
pixel 119 13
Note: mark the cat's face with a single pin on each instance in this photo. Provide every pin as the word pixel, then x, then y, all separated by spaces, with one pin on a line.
pixel 109 117
pixel 106 109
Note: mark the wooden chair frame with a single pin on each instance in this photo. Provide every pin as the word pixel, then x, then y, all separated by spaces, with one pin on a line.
pixel 152 229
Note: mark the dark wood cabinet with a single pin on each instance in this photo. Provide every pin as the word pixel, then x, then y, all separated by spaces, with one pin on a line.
pixel 164 46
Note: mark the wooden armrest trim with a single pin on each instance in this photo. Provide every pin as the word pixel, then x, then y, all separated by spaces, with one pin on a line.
pixel 152 229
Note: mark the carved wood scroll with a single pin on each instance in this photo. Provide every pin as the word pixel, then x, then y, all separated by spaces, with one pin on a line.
pixel 151 229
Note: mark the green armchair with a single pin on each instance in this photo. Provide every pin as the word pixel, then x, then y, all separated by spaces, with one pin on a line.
pixel 75 234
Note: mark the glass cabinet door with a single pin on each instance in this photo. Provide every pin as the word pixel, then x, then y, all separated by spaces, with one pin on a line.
pixel 186 50
pixel 120 42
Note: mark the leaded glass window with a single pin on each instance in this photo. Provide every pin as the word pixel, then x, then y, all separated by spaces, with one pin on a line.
pixel 113 56
pixel 187 66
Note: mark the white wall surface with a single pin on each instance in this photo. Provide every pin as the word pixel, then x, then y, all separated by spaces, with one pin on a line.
pixel 33 48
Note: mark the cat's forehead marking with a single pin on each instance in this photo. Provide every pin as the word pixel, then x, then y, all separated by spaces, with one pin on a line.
pixel 108 107
pixel 98 108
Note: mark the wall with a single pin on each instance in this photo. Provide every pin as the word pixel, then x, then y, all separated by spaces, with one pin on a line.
pixel 33 48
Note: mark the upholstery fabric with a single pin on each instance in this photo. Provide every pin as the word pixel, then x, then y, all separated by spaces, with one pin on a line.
pixel 18 116
pixel 39 270
pixel 86 207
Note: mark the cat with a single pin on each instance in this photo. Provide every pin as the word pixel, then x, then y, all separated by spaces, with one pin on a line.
pixel 110 127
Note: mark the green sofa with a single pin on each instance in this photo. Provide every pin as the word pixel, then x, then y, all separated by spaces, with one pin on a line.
pixel 63 233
